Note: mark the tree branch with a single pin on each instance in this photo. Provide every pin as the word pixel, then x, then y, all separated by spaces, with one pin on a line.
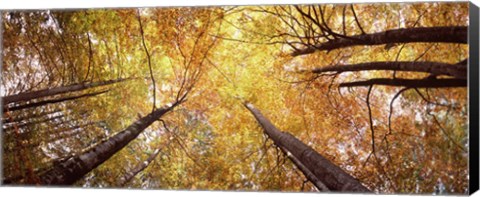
pixel 458 71
pixel 52 101
pixel 414 83
pixel 448 34
pixel 356 19
pixel 149 60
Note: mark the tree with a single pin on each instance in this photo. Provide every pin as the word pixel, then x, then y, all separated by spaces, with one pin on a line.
pixel 28 116
pixel 377 90
pixel 346 40
pixel 74 168
pixel 54 91
pixel 57 25
pixel 404 35
pixel 311 29
pixel 332 177
pixel 33 122
pixel 52 101
pixel 434 68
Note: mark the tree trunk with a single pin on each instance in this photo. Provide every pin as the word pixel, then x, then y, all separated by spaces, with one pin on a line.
pixel 28 117
pixel 332 176
pixel 308 174
pixel 414 83
pixel 403 35
pixel 74 168
pixel 54 91
pixel 12 126
pixel 458 71
pixel 54 136
pixel 52 101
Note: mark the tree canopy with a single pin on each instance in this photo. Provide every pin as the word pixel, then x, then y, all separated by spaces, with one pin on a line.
pixel 378 90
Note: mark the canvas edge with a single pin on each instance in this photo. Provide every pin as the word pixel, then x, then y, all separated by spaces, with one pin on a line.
pixel 473 85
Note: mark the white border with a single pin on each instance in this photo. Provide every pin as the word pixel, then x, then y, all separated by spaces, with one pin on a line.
pixel 56 4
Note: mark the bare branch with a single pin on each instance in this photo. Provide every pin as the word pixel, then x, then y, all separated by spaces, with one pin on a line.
pixel 356 19
pixel 148 59
pixel 391 108
pixel 414 83
pixel 458 71
pixel 449 34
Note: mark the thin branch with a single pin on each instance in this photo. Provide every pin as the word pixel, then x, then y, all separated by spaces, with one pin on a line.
pixel 356 19
pixel 371 120
pixel 446 134
pixel 391 108
pixel 149 60
pixel 343 19
pixel 90 57
pixel 431 102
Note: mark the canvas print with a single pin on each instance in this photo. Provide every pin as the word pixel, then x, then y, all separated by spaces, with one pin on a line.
pixel 337 98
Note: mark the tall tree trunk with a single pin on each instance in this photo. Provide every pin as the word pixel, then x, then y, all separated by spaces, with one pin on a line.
pixel 455 34
pixel 308 174
pixel 436 68
pixel 54 136
pixel 332 176
pixel 54 91
pixel 74 168
pixel 52 101
pixel 12 126
pixel 28 117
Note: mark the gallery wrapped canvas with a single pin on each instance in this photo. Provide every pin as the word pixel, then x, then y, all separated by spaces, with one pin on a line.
pixel 331 97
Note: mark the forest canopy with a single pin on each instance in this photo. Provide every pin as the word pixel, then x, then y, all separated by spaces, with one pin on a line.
pixel 325 97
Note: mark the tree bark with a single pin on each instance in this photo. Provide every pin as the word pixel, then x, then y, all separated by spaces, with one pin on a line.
pixel 458 71
pixel 52 101
pixel 414 83
pixel 452 34
pixel 74 168
pixel 308 174
pixel 332 176
pixel 54 91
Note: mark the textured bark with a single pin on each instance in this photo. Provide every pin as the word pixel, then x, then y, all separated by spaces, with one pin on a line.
pixel 414 83
pixel 52 101
pixel 455 34
pixel 332 176
pixel 436 68
pixel 72 169
pixel 140 167
pixel 54 91
pixel 309 174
